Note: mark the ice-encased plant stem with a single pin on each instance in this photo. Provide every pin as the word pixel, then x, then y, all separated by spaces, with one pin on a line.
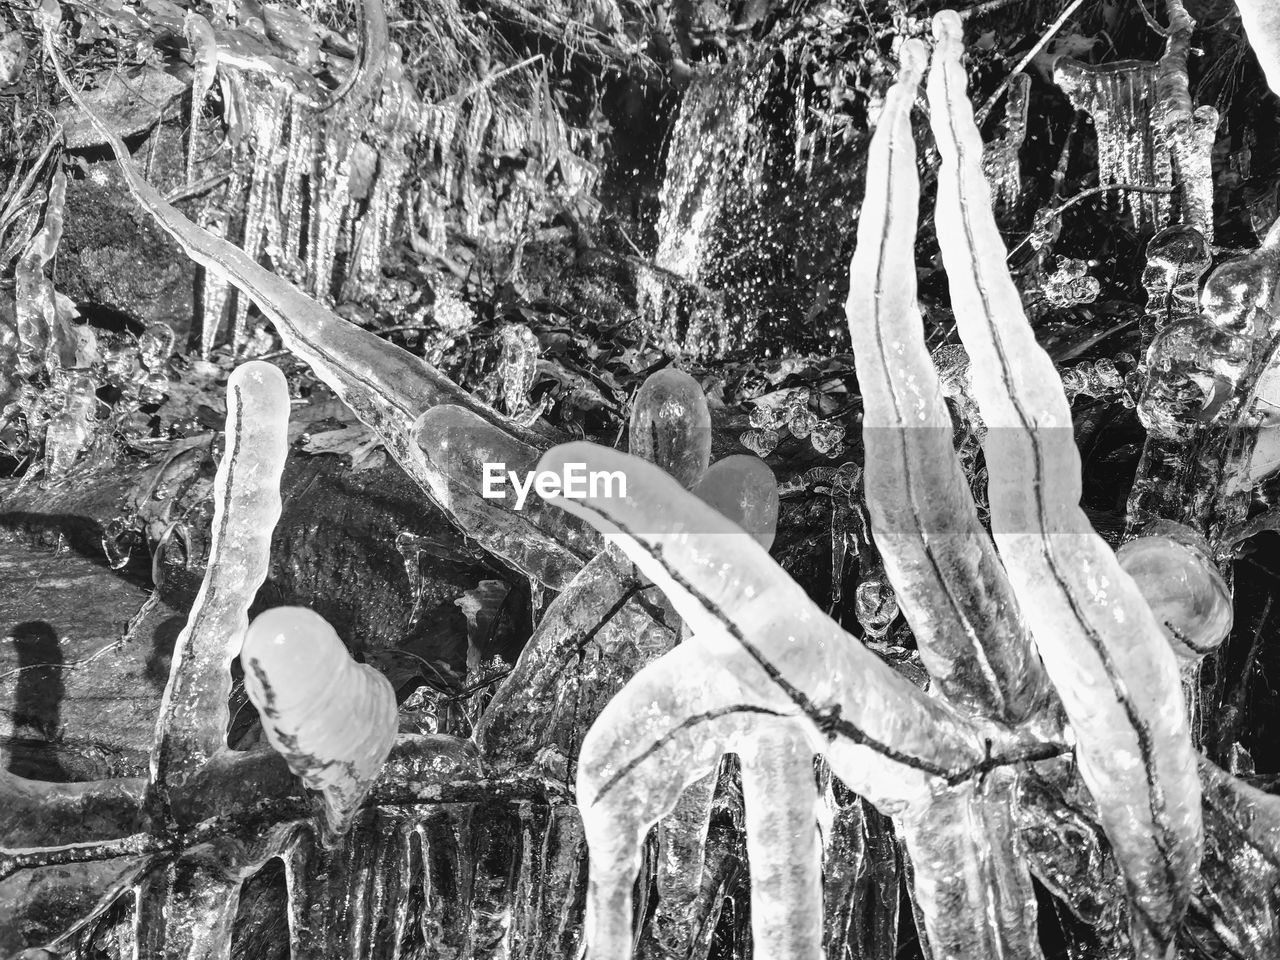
pixel 193 713
pixel 1101 646
pixel 386 387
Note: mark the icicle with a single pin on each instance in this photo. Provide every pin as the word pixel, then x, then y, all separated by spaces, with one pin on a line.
pixel 1000 160
pixel 204 58
pixel 1173 569
pixel 299 170
pixel 328 207
pixel 69 431
pixel 970 882
pixel 671 425
pixel 194 717
pixel 517 366
pixel 268 112
pixel 1108 658
pixel 214 292
pixel 780 797
pixel 332 719
pixel 445 881
pixel 1121 98
pixel 41 340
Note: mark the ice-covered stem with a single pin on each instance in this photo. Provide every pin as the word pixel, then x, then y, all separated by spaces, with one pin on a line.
pixel 1101 646
pixel 458 447
pixel 731 593
pixel 970 880
pixel 1262 26
pixel 333 720
pixel 1188 130
pixel 385 386
pixel 194 713
pixel 663 733
pixel 949 582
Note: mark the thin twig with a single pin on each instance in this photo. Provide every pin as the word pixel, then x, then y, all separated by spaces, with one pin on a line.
pixel 1054 27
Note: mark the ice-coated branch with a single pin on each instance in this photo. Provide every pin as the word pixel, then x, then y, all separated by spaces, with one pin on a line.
pixel 459 447
pixel 949 582
pixel 387 387
pixel 1099 641
pixel 194 713
pixel 730 592
pixel 663 733
pixel 971 883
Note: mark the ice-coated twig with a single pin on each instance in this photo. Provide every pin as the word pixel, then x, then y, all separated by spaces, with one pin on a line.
pixel 665 731
pixel 732 594
pixel 385 386
pixel 1100 643
pixel 194 714
pixel 333 720
pixel 971 885
pixel 458 447
pixel 949 582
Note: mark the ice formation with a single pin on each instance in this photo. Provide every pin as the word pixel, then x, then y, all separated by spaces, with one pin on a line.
pixel 743 489
pixel 193 713
pixel 671 425
pixel 1098 639
pixel 778 687
pixel 1174 570
pixel 385 386
pixel 764 674
pixel 332 719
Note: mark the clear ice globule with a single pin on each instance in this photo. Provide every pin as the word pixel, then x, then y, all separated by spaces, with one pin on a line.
pixel 743 489
pixel 333 720
pixel 671 425
pixel 1177 577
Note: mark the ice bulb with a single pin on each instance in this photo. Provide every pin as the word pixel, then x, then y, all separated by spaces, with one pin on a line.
pixel 742 488
pixel 333 720
pixel 671 425
pixel 1182 585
